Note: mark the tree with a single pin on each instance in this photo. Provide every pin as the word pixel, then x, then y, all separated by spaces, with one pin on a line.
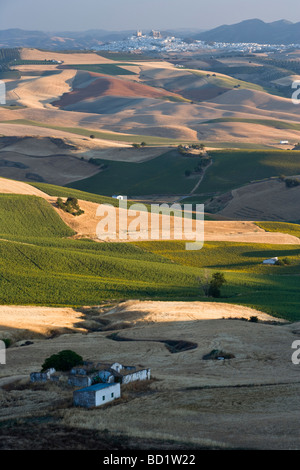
pixel 204 282
pixel 63 361
pixel 211 284
pixel 217 281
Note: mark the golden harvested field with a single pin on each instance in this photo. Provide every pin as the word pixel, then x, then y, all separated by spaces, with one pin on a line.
pixel 20 321
pixel 234 231
pixel 74 58
pixel 248 401
pixel 137 104
pixel 270 200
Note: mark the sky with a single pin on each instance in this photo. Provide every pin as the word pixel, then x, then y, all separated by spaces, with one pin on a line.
pixel 120 15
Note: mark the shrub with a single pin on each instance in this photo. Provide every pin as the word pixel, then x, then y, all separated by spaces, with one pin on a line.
pixel 63 361
pixel 7 342
pixel 292 182
pixel 283 262
pixel 216 354
pixel 253 319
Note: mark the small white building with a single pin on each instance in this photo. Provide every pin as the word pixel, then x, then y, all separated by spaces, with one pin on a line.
pixel 42 376
pixel 120 197
pixel 284 142
pixel 96 395
pixel 270 261
pixel 118 373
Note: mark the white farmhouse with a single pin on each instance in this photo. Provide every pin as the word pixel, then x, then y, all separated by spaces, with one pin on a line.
pixel 270 261
pixel 96 395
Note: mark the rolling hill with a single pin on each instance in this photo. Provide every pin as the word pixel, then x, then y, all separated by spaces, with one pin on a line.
pixel 255 31
pixel 43 264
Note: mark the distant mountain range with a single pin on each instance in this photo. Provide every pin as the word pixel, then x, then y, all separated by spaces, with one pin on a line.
pixel 59 40
pixel 72 40
pixel 278 32
pixel 255 30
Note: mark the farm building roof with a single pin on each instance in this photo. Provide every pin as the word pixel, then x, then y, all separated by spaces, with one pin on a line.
pixel 96 387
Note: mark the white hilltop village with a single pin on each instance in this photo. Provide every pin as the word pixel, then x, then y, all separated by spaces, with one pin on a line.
pixel 155 42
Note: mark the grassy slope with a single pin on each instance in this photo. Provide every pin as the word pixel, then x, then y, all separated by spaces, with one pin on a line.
pixel 235 168
pixel 39 264
pixel 264 122
pixel 108 69
pixel 273 289
pixel 30 216
pixel 161 175
pixel 283 227
pixel 166 174
pixel 61 191
pixel 225 81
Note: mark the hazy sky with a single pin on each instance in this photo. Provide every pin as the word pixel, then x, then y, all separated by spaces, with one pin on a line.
pixel 79 15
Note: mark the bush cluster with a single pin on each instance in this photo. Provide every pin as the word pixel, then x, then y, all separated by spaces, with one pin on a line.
pixel 63 361
pixel 71 206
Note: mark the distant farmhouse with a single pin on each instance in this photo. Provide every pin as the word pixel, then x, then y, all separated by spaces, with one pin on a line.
pixel 270 261
pixel 100 382
pixel 92 373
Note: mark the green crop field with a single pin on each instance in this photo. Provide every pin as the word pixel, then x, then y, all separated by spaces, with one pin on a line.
pixel 41 264
pixel 65 192
pixel 273 289
pixel 229 256
pixel 283 227
pixel 225 81
pixel 60 191
pixel 26 216
pixel 161 175
pixel 107 69
pixel 263 122
pixel 166 174
pixel 235 168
